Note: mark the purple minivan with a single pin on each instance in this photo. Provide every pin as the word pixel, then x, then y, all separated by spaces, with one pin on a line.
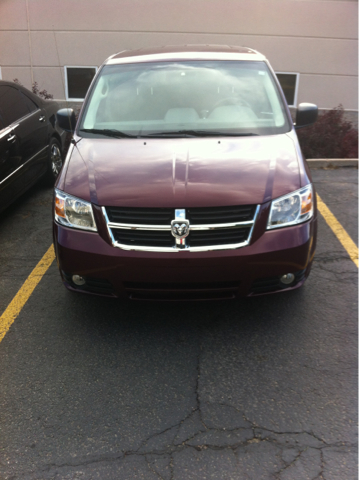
pixel 185 180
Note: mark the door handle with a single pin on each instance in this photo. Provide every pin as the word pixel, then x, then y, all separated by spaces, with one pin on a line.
pixel 42 118
pixel 12 138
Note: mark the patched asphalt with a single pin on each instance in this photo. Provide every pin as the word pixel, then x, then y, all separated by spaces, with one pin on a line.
pixel 261 388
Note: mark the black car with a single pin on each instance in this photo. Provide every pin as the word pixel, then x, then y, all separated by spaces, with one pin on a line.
pixel 31 143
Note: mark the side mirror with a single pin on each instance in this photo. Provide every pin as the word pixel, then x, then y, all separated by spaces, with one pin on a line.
pixel 66 119
pixel 307 114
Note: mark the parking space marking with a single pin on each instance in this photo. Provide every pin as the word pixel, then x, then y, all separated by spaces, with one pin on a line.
pixel 22 296
pixel 338 230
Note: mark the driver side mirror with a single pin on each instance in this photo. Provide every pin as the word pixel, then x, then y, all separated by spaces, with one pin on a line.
pixel 307 114
pixel 66 119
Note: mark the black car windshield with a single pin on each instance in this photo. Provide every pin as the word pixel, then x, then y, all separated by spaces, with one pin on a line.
pixel 171 98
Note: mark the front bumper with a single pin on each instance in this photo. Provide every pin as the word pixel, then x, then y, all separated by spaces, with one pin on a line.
pixel 187 275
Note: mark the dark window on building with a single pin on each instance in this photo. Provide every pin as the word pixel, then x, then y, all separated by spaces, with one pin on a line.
pixel 289 84
pixel 12 105
pixel 78 80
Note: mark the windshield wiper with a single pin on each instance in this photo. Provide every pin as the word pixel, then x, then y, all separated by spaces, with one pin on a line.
pixel 198 133
pixel 108 132
pixel 176 133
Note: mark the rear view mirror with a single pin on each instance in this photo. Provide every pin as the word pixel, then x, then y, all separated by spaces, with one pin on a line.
pixel 66 119
pixel 307 114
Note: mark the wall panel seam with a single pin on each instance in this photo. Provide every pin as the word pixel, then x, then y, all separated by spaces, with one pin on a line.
pixel 135 32
pixel 328 74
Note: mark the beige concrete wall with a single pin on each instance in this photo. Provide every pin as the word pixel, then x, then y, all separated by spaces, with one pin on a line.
pixel 316 38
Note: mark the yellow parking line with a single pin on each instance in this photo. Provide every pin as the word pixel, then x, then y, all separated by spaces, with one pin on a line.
pixel 339 231
pixel 22 296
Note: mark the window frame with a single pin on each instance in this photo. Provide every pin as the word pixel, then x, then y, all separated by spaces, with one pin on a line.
pixel 66 81
pixel 297 75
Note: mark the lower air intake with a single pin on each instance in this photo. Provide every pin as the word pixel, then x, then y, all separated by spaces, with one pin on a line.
pixel 181 291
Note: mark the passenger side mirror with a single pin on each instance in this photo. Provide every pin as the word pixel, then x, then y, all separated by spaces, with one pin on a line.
pixel 66 119
pixel 307 114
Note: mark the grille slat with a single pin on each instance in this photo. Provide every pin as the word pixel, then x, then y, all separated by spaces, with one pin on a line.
pixel 225 236
pixel 182 296
pixel 183 287
pixel 182 291
pixel 209 215
pixel 140 216
pixel 149 238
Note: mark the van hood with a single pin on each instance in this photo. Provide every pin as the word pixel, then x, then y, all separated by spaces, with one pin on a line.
pixel 179 173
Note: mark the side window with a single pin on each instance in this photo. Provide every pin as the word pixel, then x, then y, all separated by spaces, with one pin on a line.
pixel 31 105
pixel 3 91
pixel 12 105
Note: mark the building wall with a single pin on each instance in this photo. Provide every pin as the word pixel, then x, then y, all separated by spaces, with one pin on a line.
pixel 315 38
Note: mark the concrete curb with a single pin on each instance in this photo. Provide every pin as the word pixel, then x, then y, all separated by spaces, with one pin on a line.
pixel 332 162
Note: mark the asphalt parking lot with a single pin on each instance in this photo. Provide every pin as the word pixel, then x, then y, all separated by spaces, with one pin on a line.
pixel 261 388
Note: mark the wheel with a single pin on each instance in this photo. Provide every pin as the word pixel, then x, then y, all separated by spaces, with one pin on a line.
pixel 54 161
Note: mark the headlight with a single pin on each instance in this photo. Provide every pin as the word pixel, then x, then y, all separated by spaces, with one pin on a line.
pixel 73 212
pixel 294 208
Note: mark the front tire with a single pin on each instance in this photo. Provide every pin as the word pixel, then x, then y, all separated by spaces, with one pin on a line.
pixel 54 161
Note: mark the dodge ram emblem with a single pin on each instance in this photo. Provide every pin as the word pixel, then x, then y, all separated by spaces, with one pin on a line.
pixel 180 228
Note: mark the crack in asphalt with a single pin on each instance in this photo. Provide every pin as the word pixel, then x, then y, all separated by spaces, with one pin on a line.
pixel 172 468
pixel 311 434
pixel 289 464
pixel 152 469
pixel 321 473
pixel 340 274
pixel 253 434
pixel 326 258
pixel 257 438
pixel 249 435
pixel 198 372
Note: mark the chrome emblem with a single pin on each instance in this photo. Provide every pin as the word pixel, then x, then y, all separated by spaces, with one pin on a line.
pixel 180 229
pixel 180 226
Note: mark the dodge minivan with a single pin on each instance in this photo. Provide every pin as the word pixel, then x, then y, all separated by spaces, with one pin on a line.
pixel 185 180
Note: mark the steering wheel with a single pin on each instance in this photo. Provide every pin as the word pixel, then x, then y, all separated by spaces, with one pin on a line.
pixel 232 100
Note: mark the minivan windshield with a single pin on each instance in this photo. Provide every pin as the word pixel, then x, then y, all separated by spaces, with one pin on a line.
pixel 184 99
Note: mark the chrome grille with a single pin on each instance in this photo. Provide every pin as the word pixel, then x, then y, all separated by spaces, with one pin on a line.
pixel 149 229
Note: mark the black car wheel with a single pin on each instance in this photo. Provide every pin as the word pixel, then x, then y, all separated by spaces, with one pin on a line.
pixel 54 161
